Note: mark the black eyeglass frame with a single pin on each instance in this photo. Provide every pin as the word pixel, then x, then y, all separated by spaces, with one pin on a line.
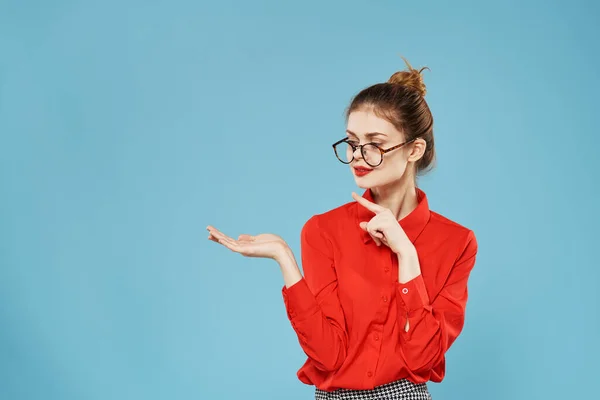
pixel 354 147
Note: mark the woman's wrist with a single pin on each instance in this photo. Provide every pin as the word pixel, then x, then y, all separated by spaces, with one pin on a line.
pixel 288 265
pixel 409 267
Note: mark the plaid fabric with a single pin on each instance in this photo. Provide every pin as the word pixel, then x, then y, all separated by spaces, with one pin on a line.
pixel 399 390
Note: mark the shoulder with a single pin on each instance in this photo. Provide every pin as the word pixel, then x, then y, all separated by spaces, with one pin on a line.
pixel 330 221
pixel 441 222
pixel 453 232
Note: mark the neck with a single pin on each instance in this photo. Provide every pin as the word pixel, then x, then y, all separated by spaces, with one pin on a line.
pixel 400 197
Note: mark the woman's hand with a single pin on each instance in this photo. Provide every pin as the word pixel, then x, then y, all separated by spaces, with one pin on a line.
pixel 384 228
pixel 264 245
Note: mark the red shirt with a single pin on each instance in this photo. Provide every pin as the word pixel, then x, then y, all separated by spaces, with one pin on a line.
pixel 349 310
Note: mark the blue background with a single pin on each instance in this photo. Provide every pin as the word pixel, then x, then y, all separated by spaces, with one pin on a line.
pixel 127 127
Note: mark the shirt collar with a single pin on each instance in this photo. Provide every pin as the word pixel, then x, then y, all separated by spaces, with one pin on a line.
pixel 413 224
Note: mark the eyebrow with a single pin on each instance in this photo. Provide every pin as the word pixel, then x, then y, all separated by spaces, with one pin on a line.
pixel 368 134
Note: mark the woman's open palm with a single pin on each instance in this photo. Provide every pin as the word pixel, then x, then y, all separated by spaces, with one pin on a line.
pixel 264 245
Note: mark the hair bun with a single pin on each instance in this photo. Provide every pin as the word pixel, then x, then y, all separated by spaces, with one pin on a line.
pixel 411 78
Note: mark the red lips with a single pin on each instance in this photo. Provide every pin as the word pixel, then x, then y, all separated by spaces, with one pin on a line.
pixel 361 171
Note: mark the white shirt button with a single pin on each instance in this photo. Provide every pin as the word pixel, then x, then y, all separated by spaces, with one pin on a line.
pixel 405 290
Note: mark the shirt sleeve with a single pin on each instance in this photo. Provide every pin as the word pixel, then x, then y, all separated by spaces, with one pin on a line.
pixel 434 326
pixel 313 305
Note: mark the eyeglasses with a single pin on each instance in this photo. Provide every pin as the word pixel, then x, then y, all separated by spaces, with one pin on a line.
pixel 372 154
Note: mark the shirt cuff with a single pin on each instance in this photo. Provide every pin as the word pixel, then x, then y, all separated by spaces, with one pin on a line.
pixel 299 300
pixel 413 294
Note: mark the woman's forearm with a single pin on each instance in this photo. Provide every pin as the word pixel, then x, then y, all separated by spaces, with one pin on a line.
pixel 319 323
pixel 409 267
pixel 289 266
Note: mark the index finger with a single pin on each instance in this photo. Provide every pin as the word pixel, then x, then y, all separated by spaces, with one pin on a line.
pixel 376 208
pixel 215 232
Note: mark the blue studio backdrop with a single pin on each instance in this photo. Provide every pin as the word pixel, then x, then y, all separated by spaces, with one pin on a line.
pixel 127 127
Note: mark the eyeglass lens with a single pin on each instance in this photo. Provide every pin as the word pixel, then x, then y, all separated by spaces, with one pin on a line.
pixel 370 153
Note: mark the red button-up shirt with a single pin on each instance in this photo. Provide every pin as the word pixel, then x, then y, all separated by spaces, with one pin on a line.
pixel 349 310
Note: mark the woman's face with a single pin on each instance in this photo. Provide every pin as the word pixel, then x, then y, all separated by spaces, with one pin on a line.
pixel 365 127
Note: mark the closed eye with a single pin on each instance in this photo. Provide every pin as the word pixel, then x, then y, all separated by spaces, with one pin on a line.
pixel 355 143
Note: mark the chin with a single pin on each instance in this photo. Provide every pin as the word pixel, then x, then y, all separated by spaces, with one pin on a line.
pixel 369 182
pixel 363 183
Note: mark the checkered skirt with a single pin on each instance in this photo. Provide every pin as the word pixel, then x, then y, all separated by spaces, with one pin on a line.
pixel 402 389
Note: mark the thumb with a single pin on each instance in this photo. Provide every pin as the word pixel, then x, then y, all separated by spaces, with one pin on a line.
pixel 375 234
pixel 376 237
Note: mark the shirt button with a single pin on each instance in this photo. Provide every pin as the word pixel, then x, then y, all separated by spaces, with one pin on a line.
pixel 384 298
pixel 405 290
pixel 386 269
pixel 369 374
pixel 376 337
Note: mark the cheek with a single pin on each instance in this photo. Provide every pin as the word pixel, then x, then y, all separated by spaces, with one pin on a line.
pixel 394 170
pixel 389 172
pixel 394 165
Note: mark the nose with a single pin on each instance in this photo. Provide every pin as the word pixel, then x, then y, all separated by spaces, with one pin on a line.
pixel 359 152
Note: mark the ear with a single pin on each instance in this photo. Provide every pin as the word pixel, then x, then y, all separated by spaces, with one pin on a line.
pixel 417 150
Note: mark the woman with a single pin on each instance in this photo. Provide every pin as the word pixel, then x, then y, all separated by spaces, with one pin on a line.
pixel 384 289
